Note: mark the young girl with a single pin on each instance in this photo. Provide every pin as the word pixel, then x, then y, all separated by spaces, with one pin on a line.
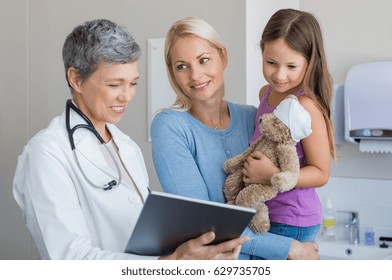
pixel 294 63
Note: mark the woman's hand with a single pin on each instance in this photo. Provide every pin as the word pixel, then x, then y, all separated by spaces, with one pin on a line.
pixel 258 169
pixel 198 249
pixel 303 251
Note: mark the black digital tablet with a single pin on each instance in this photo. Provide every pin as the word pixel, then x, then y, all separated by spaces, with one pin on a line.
pixel 168 220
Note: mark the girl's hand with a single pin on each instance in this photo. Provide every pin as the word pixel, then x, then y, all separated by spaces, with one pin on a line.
pixel 198 249
pixel 259 169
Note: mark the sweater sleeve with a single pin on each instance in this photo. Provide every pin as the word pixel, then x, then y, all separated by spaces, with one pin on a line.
pixel 172 151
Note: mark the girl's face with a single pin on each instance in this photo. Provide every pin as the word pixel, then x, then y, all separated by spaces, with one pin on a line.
pixel 104 96
pixel 283 68
pixel 198 68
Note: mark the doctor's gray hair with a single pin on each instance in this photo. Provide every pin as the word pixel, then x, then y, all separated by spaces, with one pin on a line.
pixel 95 42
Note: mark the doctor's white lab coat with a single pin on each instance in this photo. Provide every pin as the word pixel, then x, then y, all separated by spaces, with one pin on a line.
pixel 67 217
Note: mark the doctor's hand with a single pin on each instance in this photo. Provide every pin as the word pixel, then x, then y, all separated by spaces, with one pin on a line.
pixel 198 249
pixel 258 169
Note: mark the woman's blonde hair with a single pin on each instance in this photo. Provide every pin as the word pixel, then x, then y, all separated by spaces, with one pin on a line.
pixel 188 26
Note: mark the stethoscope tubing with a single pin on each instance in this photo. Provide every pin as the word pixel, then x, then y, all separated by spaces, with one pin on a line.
pixel 89 126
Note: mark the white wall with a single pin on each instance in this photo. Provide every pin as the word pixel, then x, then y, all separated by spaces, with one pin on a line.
pixel 33 88
pixel 355 32
pixel 257 14
pixel 13 122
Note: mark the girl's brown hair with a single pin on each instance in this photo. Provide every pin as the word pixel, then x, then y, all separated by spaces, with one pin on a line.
pixel 301 32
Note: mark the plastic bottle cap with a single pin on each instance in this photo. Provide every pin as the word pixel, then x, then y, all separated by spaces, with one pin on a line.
pixel 329 203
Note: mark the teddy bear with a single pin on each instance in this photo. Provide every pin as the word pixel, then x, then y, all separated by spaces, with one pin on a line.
pixel 280 131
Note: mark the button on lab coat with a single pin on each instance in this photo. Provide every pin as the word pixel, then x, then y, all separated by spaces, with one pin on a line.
pixel 67 217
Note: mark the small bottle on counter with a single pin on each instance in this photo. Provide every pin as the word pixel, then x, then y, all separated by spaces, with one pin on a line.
pixel 369 236
pixel 329 222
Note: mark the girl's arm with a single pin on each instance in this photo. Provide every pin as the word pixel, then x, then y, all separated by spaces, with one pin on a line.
pixel 316 149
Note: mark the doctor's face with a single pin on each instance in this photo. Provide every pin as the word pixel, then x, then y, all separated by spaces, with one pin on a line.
pixel 104 96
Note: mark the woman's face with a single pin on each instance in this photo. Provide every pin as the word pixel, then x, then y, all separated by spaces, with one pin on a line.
pixel 283 68
pixel 104 96
pixel 198 68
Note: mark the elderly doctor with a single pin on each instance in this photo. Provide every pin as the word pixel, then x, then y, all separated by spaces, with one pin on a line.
pixel 81 182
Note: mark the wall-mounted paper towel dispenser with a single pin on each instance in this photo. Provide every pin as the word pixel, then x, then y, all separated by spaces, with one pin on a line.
pixel 368 102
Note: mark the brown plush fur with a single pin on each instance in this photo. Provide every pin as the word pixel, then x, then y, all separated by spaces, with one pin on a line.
pixel 275 143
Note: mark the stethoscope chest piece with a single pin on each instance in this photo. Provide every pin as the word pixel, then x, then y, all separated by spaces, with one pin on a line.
pixel 88 125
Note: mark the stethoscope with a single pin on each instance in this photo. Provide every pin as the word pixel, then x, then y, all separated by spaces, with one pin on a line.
pixel 70 105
